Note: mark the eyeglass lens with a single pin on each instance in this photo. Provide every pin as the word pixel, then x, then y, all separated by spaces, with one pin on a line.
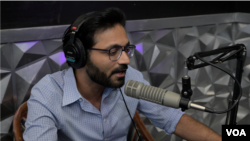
pixel 115 52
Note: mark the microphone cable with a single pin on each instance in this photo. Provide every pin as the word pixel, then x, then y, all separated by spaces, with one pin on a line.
pixel 240 89
pixel 130 116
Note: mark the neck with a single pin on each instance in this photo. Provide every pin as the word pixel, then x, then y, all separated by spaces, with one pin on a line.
pixel 87 88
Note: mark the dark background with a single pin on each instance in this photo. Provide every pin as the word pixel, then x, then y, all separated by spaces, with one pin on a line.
pixel 46 13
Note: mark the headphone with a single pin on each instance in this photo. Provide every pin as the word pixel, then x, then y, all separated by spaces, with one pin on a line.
pixel 74 50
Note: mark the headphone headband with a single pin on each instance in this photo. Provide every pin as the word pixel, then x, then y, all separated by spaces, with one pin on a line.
pixel 78 22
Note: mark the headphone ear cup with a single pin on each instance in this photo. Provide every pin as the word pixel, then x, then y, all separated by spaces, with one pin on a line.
pixel 82 54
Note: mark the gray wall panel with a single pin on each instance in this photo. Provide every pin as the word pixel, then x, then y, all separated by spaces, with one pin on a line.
pixel 32 34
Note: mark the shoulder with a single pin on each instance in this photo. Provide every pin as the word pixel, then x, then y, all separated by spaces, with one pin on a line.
pixel 52 80
pixel 50 87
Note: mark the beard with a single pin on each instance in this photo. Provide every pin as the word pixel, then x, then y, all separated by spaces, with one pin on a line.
pixel 101 78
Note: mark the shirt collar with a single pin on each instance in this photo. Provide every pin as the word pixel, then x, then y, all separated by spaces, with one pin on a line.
pixel 70 91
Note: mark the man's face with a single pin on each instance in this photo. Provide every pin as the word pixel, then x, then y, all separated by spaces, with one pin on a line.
pixel 99 67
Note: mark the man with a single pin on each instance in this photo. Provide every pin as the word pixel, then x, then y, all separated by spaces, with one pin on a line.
pixel 86 103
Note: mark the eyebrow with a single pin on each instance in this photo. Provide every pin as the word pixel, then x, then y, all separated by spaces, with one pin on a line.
pixel 114 45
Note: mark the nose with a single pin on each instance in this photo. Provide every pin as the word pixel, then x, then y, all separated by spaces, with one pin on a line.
pixel 124 59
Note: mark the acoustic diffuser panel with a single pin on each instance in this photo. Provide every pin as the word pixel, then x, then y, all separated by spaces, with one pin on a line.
pixel 160 56
pixel 23 64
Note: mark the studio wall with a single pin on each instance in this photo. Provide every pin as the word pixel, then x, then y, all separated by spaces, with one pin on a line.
pixel 162 45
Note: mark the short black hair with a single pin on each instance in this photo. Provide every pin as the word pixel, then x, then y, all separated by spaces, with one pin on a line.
pixel 94 21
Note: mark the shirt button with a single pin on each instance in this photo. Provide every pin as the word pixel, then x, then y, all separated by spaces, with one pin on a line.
pixel 106 139
pixel 105 120
pixel 80 99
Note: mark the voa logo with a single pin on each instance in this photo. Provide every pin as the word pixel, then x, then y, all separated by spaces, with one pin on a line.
pixel 236 132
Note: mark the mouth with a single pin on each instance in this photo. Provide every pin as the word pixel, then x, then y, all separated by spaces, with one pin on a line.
pixel 120 73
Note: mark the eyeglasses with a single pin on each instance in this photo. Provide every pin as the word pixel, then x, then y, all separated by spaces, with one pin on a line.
pixel 115 52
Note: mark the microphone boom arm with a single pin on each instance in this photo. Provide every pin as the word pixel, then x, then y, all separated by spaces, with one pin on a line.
pixel 238 52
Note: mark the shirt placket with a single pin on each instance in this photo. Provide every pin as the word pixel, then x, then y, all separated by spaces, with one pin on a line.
pixel 106 127
pixel 105 119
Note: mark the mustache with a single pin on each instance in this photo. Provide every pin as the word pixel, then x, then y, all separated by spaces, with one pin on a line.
pixel 120 68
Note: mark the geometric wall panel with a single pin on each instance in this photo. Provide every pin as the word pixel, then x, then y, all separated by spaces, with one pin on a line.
pixel 7 112
pixel 22 89
pixel 29 66
pixel 6 124
pixel 168 37
pixel 37 48
pixel 4 85
pixel 136 37
pixel 190 47
pixel 58 58
pixel 243 35
pixel 3 73
pixel 5 57
pixel 152 50
pixel 52 45
pixel 140 61
pixel 28 76
pixel 22 55
pixel 58 61
pixel 24 46
pixel 164 63
pixel 156 52
pixel 28 73
pixel 243 31
pixel 6 97
pixel 161 68
pixel 160 53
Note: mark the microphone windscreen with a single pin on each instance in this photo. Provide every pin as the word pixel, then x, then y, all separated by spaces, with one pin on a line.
pixel 131 87
pixel 141 91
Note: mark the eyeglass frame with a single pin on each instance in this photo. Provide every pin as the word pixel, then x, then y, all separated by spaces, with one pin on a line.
pixel 125 47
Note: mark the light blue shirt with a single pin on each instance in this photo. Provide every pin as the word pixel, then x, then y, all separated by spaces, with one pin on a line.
pixel 57 111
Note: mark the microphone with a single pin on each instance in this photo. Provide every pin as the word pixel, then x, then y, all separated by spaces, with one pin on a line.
pixel 160 96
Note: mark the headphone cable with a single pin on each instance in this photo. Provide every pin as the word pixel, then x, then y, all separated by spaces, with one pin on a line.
pixel 131 116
